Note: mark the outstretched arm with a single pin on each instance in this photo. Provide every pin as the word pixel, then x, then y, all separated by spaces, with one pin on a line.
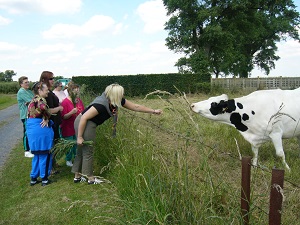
pixel 140 108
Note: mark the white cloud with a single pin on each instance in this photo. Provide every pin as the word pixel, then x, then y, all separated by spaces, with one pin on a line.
pixel 132 59
pixel 119 28
pixel 54 48
pixel 6 47
pixel 153 14
pixel 97 23
pixel 159 47
pixel 11 51
pixel 55 59
pixel 288 49
pixel 55 53
pixel 41 6
pixel 4 21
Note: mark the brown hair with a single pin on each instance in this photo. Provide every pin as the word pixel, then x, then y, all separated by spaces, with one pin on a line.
pixel 21 79
pixel 45 76
pixel 37 86
pixel 56 84
pixel 71 87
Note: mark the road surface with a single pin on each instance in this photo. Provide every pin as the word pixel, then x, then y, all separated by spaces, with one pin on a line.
pixel 11 131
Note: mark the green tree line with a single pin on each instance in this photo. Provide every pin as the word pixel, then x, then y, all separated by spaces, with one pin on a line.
pixel 7 76
pixel 229 37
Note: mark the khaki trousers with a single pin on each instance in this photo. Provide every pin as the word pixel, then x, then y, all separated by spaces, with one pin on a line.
pixel 83 162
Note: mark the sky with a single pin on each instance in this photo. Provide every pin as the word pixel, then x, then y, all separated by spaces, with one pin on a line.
pixel 98 37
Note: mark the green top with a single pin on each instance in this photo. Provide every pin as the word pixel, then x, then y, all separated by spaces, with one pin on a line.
pixel 24 97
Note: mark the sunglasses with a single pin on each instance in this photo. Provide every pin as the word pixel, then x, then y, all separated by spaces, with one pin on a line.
pixel 51 78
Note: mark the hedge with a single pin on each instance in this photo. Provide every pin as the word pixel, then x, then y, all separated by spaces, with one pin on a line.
pixel 142 84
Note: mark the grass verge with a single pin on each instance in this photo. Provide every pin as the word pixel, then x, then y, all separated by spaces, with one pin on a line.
pixel 7 100
pixel 61 202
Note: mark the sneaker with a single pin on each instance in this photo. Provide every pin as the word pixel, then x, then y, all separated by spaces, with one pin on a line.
pixel 96 181
pixel 45 182
pixel 80 179
pixel 28 154
pixel 33 182
pixel 69 163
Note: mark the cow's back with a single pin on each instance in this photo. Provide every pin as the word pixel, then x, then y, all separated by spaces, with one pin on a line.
pixel 268 108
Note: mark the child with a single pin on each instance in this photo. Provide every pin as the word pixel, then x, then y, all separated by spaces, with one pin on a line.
pixel 40 134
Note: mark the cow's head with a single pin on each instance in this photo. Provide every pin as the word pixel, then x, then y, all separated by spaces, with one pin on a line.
pixel 221 109
pixel 211 107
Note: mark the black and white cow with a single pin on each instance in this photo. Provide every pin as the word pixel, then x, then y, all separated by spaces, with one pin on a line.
pixel 260 116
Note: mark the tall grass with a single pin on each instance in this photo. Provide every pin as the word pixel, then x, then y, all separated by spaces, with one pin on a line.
pixel 183 169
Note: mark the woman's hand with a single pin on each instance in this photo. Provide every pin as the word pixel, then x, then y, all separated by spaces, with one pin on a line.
pixel 44 123
pixel 157 111
pixel 80 140
pixel 74 111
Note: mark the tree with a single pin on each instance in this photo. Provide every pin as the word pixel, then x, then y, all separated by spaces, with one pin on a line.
pixel 7 75
pixel 225 37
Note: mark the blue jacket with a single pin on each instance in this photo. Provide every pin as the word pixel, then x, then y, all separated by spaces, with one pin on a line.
pixel 39 139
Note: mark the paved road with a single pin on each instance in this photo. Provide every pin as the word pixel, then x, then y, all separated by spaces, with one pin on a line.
pixel 11 131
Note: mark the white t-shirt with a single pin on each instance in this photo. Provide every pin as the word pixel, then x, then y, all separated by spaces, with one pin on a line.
pixel 66 92
pixel 60 94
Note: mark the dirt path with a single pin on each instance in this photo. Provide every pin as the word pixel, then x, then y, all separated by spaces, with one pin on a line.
pixel 11 131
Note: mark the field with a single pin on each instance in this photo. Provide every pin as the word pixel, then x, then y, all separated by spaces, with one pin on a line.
pixel 7 100
pixel 177 168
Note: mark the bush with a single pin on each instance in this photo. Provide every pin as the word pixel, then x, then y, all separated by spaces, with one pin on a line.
pixel 9 87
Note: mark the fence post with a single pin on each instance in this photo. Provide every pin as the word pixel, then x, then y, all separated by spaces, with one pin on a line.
pixel 245 191
pixel 276 197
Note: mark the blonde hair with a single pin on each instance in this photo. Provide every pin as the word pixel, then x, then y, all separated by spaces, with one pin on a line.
pixel 114 93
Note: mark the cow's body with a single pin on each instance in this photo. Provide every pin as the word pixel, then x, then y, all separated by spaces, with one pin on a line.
pixel 260 116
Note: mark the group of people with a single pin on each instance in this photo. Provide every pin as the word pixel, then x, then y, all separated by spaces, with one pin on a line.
pixel 48 114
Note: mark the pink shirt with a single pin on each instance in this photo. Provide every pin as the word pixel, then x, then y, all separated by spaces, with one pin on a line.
pixel 67 125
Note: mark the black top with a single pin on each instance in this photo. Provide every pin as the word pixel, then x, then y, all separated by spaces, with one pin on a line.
pixel 102 112
pixel 53 102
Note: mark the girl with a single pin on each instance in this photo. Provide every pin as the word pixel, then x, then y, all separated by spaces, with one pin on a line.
pixel 40 134
pixel 72 107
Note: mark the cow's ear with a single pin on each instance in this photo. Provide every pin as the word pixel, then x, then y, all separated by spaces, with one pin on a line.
pixel 214 108
pixel 231 105
pixel 223 106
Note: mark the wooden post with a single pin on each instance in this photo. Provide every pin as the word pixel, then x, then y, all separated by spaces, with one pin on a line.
pixel 245 191
pixel 276 197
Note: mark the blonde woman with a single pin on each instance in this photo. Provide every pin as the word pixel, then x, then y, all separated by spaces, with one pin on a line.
pixel 101 109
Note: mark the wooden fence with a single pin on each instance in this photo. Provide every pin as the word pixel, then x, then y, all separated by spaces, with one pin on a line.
pixel 257 83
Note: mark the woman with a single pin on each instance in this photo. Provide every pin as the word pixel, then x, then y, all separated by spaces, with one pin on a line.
pixel 24 96
pixel 58 91
pixel 101 109
pixel 47 77
pixel 72 107
pixel 40 134
pixel 55 108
